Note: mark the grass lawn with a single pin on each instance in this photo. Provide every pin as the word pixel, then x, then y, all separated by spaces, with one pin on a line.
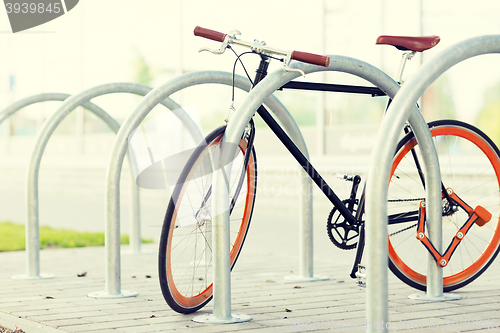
pixel 12 238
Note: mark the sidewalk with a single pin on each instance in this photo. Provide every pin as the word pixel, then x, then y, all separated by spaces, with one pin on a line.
pixel 73 198
pixel 258 289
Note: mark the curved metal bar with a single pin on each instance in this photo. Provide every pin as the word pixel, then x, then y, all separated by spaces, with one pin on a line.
pixel 44 97
pixel 18 105
pixel 222 305
pixel 33 260
pixel 385 146
pixel 113 280
pixel 49 126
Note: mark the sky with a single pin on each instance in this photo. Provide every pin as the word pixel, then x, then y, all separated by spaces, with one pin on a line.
pixel 98 41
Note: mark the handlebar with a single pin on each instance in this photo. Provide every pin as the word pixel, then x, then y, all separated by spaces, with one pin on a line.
pixel 261 47
pixel 311 58
pixel 209 34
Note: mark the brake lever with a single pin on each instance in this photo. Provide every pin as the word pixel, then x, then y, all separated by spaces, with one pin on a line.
pixel 286 67
pixel 221 50
pixel 230 36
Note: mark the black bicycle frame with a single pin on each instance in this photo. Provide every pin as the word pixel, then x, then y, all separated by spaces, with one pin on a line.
pixel 290 145
pixel 312 172
pixel 315 86
pixel 304 162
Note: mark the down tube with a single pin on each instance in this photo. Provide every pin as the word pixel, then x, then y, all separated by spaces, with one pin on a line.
pixel 304 162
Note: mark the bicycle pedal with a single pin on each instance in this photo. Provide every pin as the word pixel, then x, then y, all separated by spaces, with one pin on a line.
pixel 361 276
pixel 345 176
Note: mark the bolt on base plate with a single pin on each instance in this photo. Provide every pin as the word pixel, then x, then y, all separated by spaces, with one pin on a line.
pixel 105 294
pixel 138 253
pixel 444 297
pixel 306 278
pixel 27 277
pixel 211 319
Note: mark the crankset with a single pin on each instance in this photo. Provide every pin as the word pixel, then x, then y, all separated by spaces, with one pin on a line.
pixel 341 232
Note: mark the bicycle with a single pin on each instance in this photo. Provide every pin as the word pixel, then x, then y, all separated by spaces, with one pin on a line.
pixel 185 246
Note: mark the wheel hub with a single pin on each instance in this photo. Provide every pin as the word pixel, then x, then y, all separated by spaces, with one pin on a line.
pixel 203 216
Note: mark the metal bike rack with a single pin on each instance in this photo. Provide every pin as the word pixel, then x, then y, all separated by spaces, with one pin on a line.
pixel 222 307
pixel 32 230
pixel 45 97
pixel 222 288
pixel 32 247
pixel 385 145
pixel 120 147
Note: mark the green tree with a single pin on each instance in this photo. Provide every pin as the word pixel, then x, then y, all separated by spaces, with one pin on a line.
pixel 488 119
pixel 438 100
pixel 143 72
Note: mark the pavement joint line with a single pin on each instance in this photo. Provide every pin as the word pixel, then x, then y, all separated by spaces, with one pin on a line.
pixel 11 321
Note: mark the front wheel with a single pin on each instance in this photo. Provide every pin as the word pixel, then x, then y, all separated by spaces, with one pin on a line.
pixel 185 253
pixel 470 166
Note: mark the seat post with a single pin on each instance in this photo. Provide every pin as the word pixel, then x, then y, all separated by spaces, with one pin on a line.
pixel 406 56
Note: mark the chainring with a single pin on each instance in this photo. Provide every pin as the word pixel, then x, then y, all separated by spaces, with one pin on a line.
pixel 342 234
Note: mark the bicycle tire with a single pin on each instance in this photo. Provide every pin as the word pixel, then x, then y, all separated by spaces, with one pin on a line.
pixel 477 182
pixel 185 255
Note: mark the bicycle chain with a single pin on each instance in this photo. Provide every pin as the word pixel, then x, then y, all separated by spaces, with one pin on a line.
pixel 403 200
pixel 399 231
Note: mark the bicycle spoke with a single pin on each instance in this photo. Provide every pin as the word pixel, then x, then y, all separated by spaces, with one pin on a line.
pixel 189 240
pixel 470 170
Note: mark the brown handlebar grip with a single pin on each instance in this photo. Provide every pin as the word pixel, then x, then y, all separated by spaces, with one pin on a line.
pixel 209 34
pixel 311 58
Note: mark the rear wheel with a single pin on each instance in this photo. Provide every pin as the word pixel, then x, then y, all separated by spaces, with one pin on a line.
pixel 470 166
pixel 185 254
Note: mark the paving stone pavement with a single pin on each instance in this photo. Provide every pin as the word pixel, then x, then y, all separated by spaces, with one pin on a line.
pixel 258 289
pixel 258 286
